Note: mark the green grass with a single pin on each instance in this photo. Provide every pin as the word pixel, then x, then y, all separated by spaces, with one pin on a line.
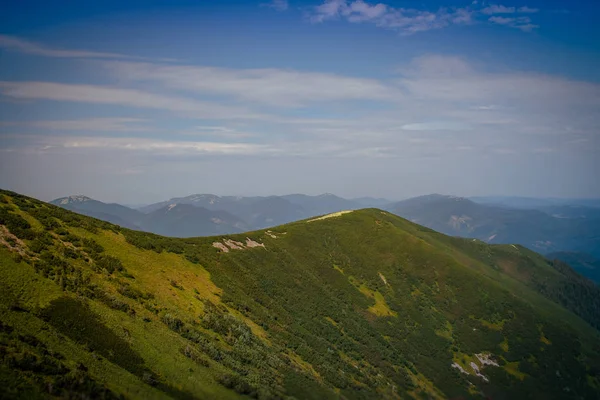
pixel 365 305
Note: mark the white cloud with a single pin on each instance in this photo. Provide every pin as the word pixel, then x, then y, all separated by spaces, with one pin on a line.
pixel 121 97
pixel 405 20
pixel 154 146
pixel 276 87
pixel 428 78
pixel 502 20
pixel 217 131
pixel 279 5
pixel 409 20
pixel 522 23
pixel 90 124
pixel 526 9
pixel 449 101
pixel 24 46
pixel 132 144
pixel 485 107
pixel 498 9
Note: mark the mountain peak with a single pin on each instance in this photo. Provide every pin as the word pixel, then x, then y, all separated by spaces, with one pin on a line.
pixel 77 198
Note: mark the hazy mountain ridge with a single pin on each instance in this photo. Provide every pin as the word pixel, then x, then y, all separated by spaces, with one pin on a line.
pixel 534 203
pixel 185 220
pixel 241 213
pixel 533 228
pixel 547 229
pixel 361 305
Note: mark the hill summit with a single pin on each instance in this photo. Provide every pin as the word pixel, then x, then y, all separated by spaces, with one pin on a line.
pixel 77 198
pixel 351 305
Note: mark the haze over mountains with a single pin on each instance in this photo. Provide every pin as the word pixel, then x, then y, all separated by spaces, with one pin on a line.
pixel 212 215
pixel 548 226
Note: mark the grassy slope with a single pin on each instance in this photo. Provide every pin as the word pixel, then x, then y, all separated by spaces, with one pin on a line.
pixel 364 305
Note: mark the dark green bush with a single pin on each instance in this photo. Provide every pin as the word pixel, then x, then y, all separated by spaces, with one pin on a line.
pixel 109 263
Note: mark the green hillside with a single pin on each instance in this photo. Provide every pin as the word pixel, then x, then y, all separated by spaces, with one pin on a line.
pixel 360 305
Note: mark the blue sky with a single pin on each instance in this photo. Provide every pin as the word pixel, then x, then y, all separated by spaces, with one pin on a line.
pixel 147 100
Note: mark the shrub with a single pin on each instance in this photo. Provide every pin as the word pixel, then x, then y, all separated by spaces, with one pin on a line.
pixel 176 284
pixel 174 323
pixel 235 382
pixel 110 264
pixel 92 247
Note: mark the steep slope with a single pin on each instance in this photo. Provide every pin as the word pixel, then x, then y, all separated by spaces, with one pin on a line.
pixel 532 228
pixel 111 212
pixel 356 305
pixel 184 220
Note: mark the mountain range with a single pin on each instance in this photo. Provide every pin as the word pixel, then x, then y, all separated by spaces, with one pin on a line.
pixel 350 305
pixel 544 225
pixel 541 231
pixel 207 214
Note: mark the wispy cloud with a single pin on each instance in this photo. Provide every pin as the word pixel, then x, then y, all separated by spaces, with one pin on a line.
pixel 121 97
pixel 279 5
pixel 435 102
pixel 381 15
pixel 88 124
pixel 276 87
pixel 13 43
pixel 140 144
pixel 522 23
pixel 411 20
pixel 216 131
pixel 526 9
pixel 498 9
pixel 45 143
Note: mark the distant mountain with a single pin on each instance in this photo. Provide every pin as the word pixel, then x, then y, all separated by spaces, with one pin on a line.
pixel 111 212
pixel 171 219
pixel 261 212
pixel 535 229
pixel 585 264
pixel 208 201
pixel 533 203
pixel 257 212
pixel 185 220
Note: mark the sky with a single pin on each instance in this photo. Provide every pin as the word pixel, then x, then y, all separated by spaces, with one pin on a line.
pixel 141 101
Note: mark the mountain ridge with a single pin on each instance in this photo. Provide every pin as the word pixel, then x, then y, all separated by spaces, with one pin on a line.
pixel 544 229
pixel 362 304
